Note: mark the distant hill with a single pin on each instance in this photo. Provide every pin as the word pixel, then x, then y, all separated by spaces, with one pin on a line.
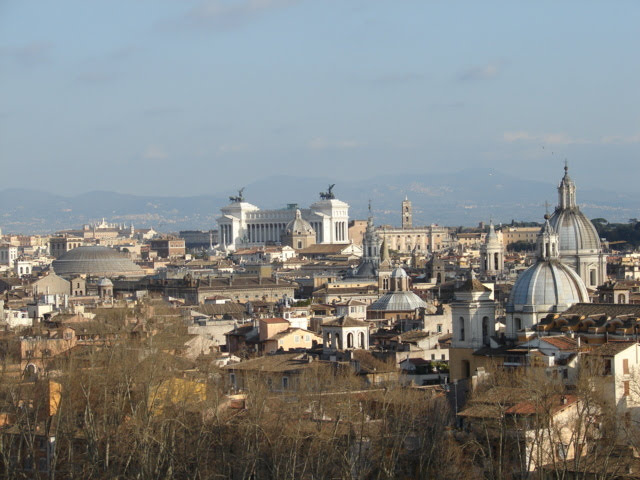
pixel 463 198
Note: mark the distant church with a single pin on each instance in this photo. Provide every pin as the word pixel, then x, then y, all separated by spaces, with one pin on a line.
pixel 569 260
pixel 579 243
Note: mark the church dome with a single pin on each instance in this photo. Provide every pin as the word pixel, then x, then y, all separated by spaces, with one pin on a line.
pixel 95 260
pixel 364 270
pixel 399 273
pixel 105 282
pixel 299 226
pixel 575 230
pixel 547 286
pixel 399 301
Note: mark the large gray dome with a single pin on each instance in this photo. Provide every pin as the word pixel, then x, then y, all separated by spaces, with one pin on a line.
pixel 398 302
pixel 96 260
pixel 575 230
pixel 547 286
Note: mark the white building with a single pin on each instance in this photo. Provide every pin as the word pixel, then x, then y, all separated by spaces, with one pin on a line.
pixel 243 224
pixel 8 254
pixel 22 267
pixel 491 254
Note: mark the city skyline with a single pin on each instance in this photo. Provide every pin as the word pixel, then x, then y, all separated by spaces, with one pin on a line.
pixel 192 97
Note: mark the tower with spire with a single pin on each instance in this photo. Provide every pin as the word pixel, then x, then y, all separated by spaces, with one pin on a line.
pixel 579 244
pixel 567 191
pixel 491 254
pixel 371 249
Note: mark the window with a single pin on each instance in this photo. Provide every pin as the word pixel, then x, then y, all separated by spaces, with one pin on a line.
pixel 307 338
pixel 285 383
pixel 625 386
pixel 485 330
pixel 562 450
pixel 433 356
pixel 517 324
pixel 625 366
pixel 461 324
pixel 607 367
pixel 439 328
pixel 442 357
pixel 296 338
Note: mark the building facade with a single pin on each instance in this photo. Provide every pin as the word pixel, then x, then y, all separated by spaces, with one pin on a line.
pixel 243 224
pixel 424 240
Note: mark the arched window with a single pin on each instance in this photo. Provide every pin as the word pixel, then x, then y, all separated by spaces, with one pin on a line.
pixel 496 261
pixel 461 323
pixel 361 340
pixel 349 340
pixel 622 298
pixel 338 344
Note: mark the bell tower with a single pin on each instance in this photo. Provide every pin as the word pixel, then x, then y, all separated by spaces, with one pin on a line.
pixel 407 215
pixel 491 254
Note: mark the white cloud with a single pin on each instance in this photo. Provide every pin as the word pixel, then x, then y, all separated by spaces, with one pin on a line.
pixel 155 152
pixel 225 14
pixel 544 138
pixel 29 55
pixel 320 143
pixel 621 139
pixel 229 148
pixel 481 72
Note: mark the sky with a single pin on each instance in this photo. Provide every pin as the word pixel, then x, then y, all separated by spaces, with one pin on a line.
pixel 182 97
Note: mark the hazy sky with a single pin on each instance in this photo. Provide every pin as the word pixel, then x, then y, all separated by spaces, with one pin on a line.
pixel 184 97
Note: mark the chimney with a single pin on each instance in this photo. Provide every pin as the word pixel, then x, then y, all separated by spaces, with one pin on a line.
pixel 563 400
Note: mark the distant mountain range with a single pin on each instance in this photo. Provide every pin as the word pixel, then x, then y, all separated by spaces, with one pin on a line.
pixel 463 198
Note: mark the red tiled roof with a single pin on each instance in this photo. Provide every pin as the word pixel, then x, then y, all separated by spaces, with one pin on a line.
pixel 273 321
pixel 561 342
